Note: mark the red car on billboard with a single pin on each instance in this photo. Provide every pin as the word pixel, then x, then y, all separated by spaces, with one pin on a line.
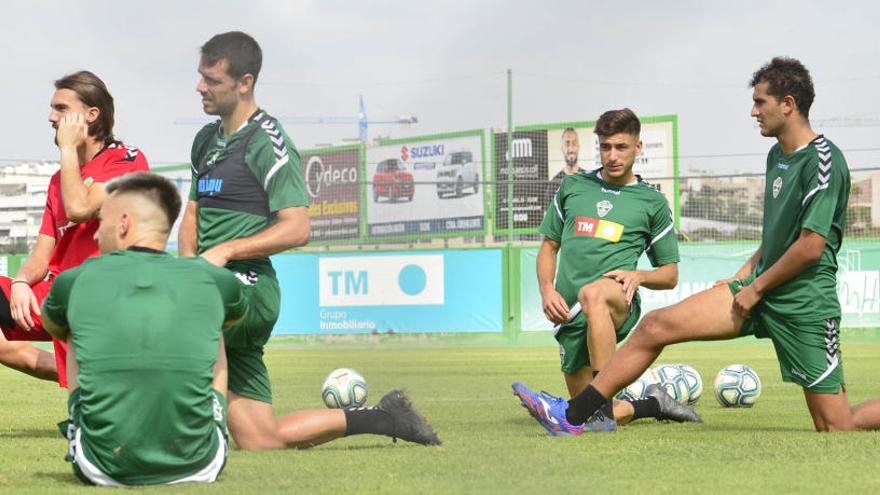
pixel 392 181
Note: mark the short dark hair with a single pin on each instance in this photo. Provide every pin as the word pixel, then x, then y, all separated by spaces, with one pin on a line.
pixel 92 92
pixel 786 76
pixel 159 190
pixel 240 49
pixel 617 121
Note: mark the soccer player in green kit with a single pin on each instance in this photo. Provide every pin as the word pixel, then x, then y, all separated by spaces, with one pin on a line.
pixel 147 372
pixel 248 202
pixel 598 226
pixel 786 291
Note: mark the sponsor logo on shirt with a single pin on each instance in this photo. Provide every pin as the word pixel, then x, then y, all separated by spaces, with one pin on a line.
pixel 611 191
pixel 64 228
pixel 210 186
pixel 777 186
pixel 593 227
pixel 603 207
pixel 782 166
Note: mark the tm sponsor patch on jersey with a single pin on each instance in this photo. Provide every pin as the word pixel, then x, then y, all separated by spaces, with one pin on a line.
pixel 594 227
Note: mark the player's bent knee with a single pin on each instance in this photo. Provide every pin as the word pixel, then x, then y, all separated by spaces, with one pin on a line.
pixel 590 296
pixel 653 330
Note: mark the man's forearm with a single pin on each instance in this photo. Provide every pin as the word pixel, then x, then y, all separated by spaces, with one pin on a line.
pixel 33 270
pixel 661 278
pixel 749 266
pixel 74 194
pixel 187 239
pixel 799 256
pixel 273 240
pixel 546 268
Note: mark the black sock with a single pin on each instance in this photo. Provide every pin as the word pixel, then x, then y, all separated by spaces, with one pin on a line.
pixel 368 420
pixel 584 405
pixel 645 408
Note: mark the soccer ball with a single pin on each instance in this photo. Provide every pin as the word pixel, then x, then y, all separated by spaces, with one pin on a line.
pixel 344 388
pixel 674 381
pixel 737 386
pixel 636 389
pixel 694 383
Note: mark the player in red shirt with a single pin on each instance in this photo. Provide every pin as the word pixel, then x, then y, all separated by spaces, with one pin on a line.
pixel 82 116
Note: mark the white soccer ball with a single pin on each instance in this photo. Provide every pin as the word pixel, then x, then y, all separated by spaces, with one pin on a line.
pixel 344 388
pixel 636 389
pixel 737 386
pixel 673 380
pixel 694 383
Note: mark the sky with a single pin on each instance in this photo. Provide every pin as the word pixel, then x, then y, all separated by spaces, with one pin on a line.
pixel 445 63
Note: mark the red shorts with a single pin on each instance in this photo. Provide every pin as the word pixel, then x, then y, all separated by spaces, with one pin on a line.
pixel 38 333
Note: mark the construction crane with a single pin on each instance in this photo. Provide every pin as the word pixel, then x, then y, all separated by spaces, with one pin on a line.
pixel 361 120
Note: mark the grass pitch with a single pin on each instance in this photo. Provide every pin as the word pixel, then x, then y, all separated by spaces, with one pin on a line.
pixel 491 445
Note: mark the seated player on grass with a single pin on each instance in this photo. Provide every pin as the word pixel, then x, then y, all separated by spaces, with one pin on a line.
pixel 598 225
pixel 786 291
pixel 248 202
pixel 147 370
pixel 82 114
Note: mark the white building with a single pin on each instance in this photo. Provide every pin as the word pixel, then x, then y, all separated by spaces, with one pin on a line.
pixel 22 201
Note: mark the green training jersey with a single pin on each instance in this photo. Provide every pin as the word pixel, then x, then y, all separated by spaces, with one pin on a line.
pixel 241 180
pixel 807 189
pixel 145 328
pixel 603 227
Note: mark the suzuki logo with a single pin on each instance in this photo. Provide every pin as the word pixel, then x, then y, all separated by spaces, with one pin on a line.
pixel 404 153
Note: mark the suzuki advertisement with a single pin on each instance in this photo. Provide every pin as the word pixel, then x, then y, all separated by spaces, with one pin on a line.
pixel 331 177
pixel 430 186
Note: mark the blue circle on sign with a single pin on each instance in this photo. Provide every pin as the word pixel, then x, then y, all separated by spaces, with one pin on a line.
pixel 412 280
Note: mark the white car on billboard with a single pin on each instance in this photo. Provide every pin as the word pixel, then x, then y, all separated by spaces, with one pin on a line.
pixel 457 173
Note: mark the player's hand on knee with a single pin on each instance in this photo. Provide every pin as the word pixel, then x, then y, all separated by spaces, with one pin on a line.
pixel 22 299
pixel 629 281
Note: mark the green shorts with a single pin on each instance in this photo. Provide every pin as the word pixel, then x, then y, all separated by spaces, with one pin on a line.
pixel 808 351
pixel 248 375
pixel 572 338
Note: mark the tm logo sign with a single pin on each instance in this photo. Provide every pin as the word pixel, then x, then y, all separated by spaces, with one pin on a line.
pixel 381 280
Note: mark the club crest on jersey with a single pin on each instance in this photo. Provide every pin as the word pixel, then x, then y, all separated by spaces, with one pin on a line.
pixel 603 207
pixel 777 186
pixel 213 159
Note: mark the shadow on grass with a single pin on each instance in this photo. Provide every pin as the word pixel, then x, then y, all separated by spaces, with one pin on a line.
pixel 400 444
pixel 34 433
pixel 67 478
